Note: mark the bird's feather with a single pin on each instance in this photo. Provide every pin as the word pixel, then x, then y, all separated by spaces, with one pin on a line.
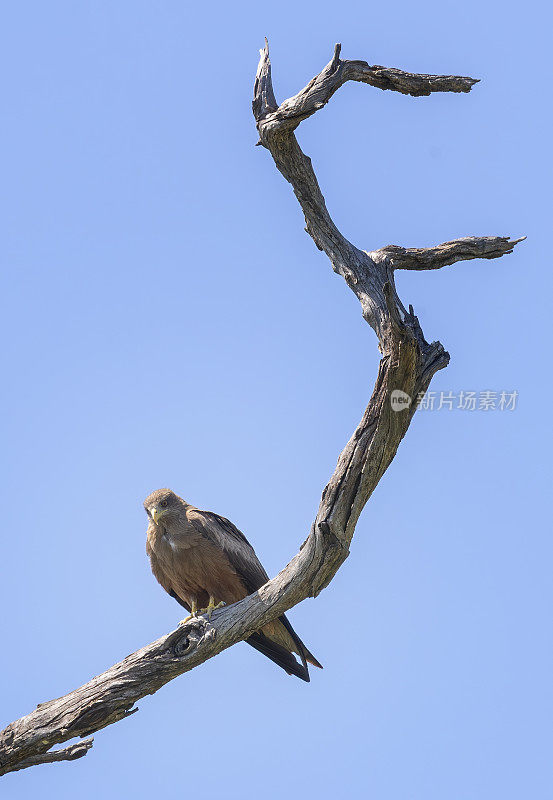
pixel 280 655
pixel 222 533
pixel 175 596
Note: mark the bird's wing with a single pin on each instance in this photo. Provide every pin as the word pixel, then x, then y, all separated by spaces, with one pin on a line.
pixel 241 555
pixel 223 534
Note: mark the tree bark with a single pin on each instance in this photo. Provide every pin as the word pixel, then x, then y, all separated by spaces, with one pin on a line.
pixel 408 364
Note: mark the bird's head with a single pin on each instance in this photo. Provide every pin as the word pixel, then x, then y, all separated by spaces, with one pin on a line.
pixel 163 504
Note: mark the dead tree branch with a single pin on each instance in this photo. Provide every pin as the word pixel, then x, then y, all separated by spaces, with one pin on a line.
pixel 408 364
pixel 446 253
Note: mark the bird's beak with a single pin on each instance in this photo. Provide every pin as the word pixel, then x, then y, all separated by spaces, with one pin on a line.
pixel 156 514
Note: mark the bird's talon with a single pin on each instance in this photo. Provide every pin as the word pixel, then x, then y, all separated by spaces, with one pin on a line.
pixel 212 607
pixel 192 615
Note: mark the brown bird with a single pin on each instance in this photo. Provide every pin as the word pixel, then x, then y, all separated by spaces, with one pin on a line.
pixel 203 561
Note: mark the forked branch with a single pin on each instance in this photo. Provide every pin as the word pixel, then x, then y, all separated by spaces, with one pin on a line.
pixel 408 364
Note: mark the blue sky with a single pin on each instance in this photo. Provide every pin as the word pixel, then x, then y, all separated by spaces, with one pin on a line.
pixel 167 322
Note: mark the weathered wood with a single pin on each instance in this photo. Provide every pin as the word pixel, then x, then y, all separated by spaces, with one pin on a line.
pixel 408 364
pixel 442 255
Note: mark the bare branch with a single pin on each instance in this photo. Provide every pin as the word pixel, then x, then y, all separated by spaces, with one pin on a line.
pixel 419 258
pixel 408 364
pixel 70 753
pixel 264 98
pixel 320 89
pixel 364 272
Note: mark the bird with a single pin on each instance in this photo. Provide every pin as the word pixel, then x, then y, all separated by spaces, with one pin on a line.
pixel 204 562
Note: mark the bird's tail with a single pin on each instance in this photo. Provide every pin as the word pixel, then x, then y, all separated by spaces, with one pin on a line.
pixel 279 641
pixel 311 658
pixel 301 649
pixel 279 654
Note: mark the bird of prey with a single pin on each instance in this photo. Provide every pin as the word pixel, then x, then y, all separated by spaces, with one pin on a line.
pixel 203 561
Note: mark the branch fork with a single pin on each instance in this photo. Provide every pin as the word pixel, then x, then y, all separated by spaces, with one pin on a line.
pixel 408 364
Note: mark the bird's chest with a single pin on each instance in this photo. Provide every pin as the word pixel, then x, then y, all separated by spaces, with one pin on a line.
pixel 191 561
pixel 171 548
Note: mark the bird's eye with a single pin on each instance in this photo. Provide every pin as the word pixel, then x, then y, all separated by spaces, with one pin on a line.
pixel 164 503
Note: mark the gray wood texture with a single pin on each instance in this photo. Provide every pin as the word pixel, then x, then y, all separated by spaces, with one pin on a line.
pixel 408 363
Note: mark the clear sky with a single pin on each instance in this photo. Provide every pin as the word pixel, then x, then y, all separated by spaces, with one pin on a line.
pixel 167 322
